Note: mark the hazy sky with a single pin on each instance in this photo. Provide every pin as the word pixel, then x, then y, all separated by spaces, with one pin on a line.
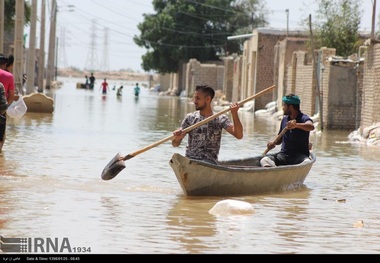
pixel 118 19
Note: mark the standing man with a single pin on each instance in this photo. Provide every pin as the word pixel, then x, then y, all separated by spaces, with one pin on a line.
pixel 7 79
pixel 137 90
pixel 204 141
pixel 295 142
pixel 86 84
pixel 104 87
pixel 92 81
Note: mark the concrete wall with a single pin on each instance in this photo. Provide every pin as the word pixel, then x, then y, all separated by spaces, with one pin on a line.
pixel 247 68
pixel 237 80
pixel 166 82
pixel 228 81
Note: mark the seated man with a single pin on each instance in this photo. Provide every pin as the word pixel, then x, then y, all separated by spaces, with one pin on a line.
pixel 295 146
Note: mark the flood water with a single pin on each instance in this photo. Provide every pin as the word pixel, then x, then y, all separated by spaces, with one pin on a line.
pixel 50 184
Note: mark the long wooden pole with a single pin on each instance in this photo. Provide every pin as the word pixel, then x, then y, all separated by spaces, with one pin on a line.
pixel 116 164
pixel 198 124
pixel 279 136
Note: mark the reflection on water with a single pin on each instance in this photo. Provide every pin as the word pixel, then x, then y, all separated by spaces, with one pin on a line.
pixel 191 225
pixel 50 183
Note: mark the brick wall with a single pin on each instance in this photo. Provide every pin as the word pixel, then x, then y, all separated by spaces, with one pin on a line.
pixel 198 73
pixel 304 83
pixel 349 89
pixel 341 104
pixel 264 76
pixel 266 58
pixel 339 87
pixel 284 58
pixel 371 86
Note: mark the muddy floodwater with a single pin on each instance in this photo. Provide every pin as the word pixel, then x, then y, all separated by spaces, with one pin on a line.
pixel 50 184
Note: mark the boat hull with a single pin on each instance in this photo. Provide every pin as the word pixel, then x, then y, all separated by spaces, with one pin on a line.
pixel 236 177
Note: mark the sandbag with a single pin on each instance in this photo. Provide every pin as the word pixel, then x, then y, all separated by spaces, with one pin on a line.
pixel 367 130
pixel 232 207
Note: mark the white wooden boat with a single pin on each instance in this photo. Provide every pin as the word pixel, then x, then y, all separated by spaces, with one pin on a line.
pixel 236 177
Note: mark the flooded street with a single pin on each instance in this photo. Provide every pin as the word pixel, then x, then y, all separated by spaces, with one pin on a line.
pixel 50 184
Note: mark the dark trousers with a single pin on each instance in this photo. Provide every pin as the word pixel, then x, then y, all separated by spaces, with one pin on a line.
pixel 285 159
pixel 3 125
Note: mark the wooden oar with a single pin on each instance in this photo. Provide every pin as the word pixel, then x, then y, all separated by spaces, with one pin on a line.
pixel 117 163
pixel 276 140
pixel 279 136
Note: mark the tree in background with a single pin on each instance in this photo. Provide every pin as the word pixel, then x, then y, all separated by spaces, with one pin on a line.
pixel 9 23
pixel 10 12
pixel 337 26
pixel 185 29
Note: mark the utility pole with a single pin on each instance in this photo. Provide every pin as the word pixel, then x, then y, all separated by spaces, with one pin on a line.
pixel 18 68
pixel 316 75
pixel 2 26
pixel 31 59
pixel 373 19
pixel 41 54
pixel 62 49
pixel 92 62
pixel 287 22
pixel 52 42
pixel 104 64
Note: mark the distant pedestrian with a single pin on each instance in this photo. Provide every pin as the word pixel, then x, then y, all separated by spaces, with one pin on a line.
pixel 104 86
pixel 137 89
pixel 92 81
pixel 119 91
pixel 86 84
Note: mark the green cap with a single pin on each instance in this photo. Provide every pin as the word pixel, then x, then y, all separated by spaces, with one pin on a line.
pixel 294 99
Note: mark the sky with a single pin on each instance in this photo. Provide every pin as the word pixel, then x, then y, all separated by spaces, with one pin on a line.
pixel 97 33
